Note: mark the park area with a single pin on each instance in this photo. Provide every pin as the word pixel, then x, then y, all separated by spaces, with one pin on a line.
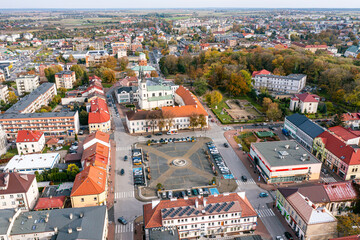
pixel 248 137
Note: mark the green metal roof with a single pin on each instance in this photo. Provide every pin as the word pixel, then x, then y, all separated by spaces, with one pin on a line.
pixel 166 97
pixel 158 88
pixel 144 68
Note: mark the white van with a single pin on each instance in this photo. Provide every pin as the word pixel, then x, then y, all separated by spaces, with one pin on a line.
pixel 172 132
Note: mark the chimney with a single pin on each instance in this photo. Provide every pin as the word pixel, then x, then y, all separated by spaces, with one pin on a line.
pixel 55 229
pixel 46 219
pixel 79 229
pixel 10 219
pixel 196 203
pixel 81 215
pixel 69 230
pixel 323 210
pixel 71 216
pixel 29 217
pixel 205 202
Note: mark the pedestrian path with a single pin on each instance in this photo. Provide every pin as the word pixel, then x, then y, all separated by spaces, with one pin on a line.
pixel 129 194
pixel 249 181
pixel 118 148
pixel 119 228
pixel 329 179
pixel 265 212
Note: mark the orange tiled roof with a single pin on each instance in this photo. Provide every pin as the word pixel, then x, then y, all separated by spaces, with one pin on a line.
pixel 90 181
pixel 50 203
pixel 28 136
pixel 153 218
pixel 100 116
pixel 97 135
pixel 96 160
pixel 96 148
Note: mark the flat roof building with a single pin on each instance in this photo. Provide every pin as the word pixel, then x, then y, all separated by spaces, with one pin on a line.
pixel 284 161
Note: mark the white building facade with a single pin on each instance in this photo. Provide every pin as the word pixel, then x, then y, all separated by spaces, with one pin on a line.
pixel 27 83
pixel 292 83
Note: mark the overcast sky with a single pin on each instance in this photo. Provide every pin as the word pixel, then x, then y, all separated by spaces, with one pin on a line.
pixel 180 3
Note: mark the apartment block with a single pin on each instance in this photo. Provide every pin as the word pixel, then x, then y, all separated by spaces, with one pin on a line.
pixel 27 83
pixel 30 142
pixel 4 93
pixel 18 191
pixel 37 98
pixel 65 79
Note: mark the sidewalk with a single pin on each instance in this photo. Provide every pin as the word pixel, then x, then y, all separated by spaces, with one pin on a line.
pixel 111 189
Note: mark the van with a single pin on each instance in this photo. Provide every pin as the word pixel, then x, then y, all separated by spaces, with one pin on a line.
pixel 172 132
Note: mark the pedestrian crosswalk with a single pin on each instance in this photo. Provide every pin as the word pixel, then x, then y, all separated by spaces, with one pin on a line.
pixel 265 212
pixel 249 181
pixel 118 148
pixel 120 228
pixel 129 194
pixel 329 179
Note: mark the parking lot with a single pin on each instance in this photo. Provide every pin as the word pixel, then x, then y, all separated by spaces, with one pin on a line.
pixel 179 165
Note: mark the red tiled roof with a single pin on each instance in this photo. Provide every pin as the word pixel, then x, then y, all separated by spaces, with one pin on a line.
pixel 343 133
pixel 306 97
pixel 90 181
pixel 153 218
pixel 53 141
pixel 97 160
pixel 353 237
pixel 98 117
pixel 95 149
pixel 50 203
pixel 261 72
pixel 28 136
pixel 316 46
pixel 337 147
pixel 351 116
pixel 97 135
pixel 340 191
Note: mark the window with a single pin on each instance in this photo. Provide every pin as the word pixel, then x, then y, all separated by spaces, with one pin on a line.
pixel 82 199
pixel 13 203
pixel 11 196
pixel 95 198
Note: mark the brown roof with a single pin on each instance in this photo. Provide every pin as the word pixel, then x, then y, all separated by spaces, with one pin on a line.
pixel 17 183
pixel 96 148
pixel 315 193
pixel 153 216
pixel 90 181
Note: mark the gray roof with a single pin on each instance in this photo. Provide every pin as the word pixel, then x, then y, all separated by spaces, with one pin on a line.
pixel 127 89
pixel 28 99
pixel 304 124
pixel 291 155
pixel 296 77
pixel 92 223
pixel 5 214
pixel 13 116
pixel 63 72
pixel 157 234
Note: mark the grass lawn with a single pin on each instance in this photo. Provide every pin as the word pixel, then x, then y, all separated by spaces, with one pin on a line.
pixel 107 85
pixel 224 118
pixel 245 139
pixel 10 153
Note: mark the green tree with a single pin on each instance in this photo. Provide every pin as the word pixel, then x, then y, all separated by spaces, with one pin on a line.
pixel 79 71
pixel 349 224
pixel 266 103
pixel 213 97
pixel 201 86
pixel 273 112
pixel 83 117
pixel 194 121
pixel 123 62
pixel 12 98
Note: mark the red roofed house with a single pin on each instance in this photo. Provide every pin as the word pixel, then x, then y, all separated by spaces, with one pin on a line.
pixel 228 214
pixel 175 117
pixel 261 72
pixel 30 141
pixel 99 116
pixel 89 188
pixel 351 119
pixel 306 102
pixel 342 159
pixel 96 137
pixel 51 202
pixel 346 135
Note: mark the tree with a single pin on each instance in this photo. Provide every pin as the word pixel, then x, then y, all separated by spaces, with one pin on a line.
pixel 159 186
pixel 71 58
pixel 76 137
pixel 213 97
pixel 12 97
pixel 239 83
pixel 123 62
pixel 273 112
pixel 51 71
pixel 79 71
pixel 202 120
pixel 62 91
pixel 339 119
pixel 154 74
pixel 83 117
pixel 266 103
pixel 194 121
pixel 349 224
pixel 111 63
pixel 200 85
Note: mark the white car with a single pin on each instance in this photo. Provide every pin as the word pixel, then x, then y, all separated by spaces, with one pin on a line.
pixel 74 147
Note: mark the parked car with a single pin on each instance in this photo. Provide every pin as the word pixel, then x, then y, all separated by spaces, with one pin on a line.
pixel 122 171
pixel 288 235
pixel 158 133
pixel 263 194
pixel 195 192
pixel 58 148
pixel 170 194
pixel 163 195
pixel 279 238
pixel 200 191
pixel 188 192
pixel 148 136
pixel 182 194
pixel 81 132
pixel 226 145
pixel 125 158
pixel 122 220
pixel 206 191
pixel 244 178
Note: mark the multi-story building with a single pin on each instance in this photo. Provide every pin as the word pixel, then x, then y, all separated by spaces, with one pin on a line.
pixel 292 83
pixel 284 161
pixel 95 57
pixel 306 219
pixel 228 214
pixel 30 142
pixel 3 141
pixel 347 135
pixel 18 190
pixel 65 79
pixel 342 159
pixel 99 116
pixel 302 129
pixel 306 103
pixel 351 120
pixel 4 93
pixel 51 123
pixel 90 188
pixel 67 223
pixel 27 83
pixel 35 100
pixel 170 117
pixel 127 94
pixel 32 162
pixel 2 76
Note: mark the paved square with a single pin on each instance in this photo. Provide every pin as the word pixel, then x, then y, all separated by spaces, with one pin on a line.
pixel 196 171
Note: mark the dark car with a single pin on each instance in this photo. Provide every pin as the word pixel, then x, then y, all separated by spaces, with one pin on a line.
pixel 122 220
pixel 244 178
pixel 288 236
pixel 195 192
pixel 263 194
pixel 125 158
pixel 226 145
pixel 148 136
pixel 158 133
pixel 122 171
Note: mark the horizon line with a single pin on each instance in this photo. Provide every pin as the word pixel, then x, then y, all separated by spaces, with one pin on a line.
pixel 179 8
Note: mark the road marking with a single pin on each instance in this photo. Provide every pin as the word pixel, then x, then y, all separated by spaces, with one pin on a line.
pixel 249 181
pixel 122 148
pixel 119 228
pixel 329 179
pixel 265 212
pixel 129 194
